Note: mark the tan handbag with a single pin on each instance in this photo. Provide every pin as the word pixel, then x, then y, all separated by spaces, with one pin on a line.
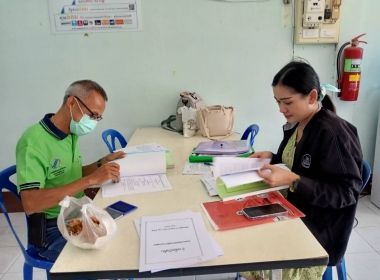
pixel 216 121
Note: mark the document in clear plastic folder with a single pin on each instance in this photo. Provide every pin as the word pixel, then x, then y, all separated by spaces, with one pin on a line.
pixel 236 147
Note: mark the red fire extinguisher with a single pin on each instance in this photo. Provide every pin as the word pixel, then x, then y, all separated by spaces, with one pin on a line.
pixel 349 82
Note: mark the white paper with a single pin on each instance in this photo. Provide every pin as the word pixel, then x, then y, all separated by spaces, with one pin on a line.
pixel 195 168
pixel 242 178
pixel 224 166
pixel 142 164
pixel 175 242
pixel 168 216
pixel 144 148
pixel 137 184
pixel 209 181
pixel 219 251
pixel 85 16
pixel 255 193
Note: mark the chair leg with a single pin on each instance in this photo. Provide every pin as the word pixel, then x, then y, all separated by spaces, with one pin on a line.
pixel 341 270
pixel 48 275
pixel 328 274
pixel 28 272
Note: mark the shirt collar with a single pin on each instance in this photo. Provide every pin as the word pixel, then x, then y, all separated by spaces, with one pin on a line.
pixel 51 128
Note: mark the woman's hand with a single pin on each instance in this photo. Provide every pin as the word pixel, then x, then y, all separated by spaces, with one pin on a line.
pixel 262 155
pixel 277 176
pixel 114 156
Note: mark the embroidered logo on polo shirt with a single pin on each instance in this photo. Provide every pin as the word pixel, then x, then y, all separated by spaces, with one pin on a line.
pixel 56 168
pixel 55 163
pixel 306 161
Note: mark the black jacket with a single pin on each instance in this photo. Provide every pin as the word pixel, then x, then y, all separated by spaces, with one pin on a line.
pixel 329 161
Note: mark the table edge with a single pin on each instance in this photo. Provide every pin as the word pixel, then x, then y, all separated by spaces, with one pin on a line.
pixel 188 271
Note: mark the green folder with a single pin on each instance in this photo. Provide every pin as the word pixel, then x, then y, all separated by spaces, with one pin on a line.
pixel 197 158
pixel 251 189
pixel 169 161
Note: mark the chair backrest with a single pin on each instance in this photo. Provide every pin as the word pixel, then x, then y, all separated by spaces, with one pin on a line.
pixel 251 132
pixel 30 252
pixel 6 184
pixel 114 134
pixel 366 174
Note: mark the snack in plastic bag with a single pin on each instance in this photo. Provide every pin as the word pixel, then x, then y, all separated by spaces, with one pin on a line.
pixel 84 224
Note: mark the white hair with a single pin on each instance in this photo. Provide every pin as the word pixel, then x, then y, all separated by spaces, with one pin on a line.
pixel 83 89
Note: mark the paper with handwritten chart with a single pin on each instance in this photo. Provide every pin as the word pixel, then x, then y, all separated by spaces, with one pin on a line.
pixel 137 184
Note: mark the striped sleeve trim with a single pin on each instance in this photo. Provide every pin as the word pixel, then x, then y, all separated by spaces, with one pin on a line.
pixel 26 189
pixel 30 185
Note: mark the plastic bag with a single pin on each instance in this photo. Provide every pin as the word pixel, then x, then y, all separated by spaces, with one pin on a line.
pixel 189 120
pixel 84 224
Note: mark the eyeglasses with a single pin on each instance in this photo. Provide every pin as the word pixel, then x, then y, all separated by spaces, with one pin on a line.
pixel 93 115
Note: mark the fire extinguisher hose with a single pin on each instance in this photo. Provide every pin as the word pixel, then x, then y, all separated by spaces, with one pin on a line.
pixel 338 64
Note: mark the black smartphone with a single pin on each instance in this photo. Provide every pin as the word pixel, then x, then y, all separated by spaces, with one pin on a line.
pixel 119 209
pixel 264 211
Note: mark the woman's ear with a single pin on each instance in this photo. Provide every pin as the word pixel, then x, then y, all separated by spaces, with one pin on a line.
pixel 313 96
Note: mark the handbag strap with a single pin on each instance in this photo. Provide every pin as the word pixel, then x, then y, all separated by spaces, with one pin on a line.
pixel 166 124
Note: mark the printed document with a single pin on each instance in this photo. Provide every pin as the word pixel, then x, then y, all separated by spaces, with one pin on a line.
pixel 225 166
pixel 144 148
pixel 195 168
pixel 142 164
pixel 174 241
pixel 137 184
pixel 219 251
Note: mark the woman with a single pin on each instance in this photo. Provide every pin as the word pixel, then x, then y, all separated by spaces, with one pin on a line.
pixel 324 154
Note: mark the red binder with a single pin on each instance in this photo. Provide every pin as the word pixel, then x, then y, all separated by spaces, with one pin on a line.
pixel 225 215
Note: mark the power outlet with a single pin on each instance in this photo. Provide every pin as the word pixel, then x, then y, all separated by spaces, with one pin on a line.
pixel 313 19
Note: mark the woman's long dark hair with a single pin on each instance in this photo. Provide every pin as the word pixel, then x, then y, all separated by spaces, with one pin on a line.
pixel 302 78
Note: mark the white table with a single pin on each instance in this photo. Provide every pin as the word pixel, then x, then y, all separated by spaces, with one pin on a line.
pixel 286 244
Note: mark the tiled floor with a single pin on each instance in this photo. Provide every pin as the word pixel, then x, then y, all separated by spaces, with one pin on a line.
pixel 362 256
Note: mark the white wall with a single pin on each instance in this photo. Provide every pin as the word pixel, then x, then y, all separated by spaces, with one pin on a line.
pixel 226 52
pixel 363 17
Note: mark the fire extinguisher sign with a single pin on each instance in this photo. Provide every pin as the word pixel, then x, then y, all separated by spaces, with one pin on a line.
pixel 352 65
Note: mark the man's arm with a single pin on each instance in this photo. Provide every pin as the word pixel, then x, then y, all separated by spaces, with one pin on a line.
pixel 89 169
pixel 36 200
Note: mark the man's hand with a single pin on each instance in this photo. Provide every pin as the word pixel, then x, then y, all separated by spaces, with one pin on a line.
pixel 277 176
pixel 114 156
pixel 262 155
pixel 109 171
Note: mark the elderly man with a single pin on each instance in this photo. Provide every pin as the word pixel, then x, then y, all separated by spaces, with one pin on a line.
pixel 49 164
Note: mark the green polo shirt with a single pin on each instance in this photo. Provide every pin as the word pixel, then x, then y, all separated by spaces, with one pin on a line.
pixel 47 158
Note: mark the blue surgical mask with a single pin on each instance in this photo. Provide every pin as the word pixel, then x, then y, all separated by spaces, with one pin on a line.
pixel 85 126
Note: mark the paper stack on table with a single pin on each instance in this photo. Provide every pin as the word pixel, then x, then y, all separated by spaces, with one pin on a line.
pixel 139 173
pixel 144 148
pixel 195 168
pixel 174 241
pixel 149 148
pixel 209 181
